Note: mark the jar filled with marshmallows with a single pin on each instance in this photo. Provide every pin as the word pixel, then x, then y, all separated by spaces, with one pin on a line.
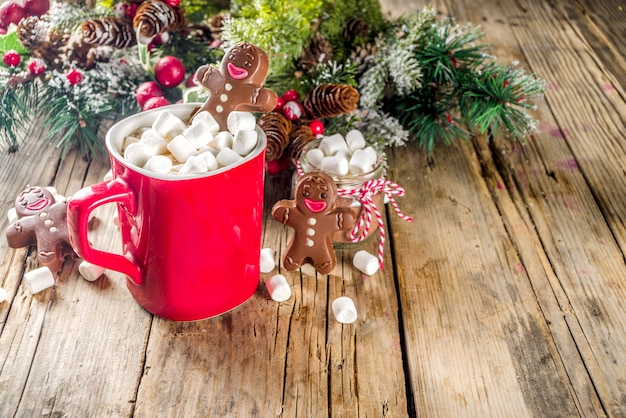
pixel 354 166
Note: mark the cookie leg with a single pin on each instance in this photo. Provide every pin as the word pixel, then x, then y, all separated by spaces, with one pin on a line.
pixel 290 264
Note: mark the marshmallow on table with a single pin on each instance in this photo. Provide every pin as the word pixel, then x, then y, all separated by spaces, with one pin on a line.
pixel 244 142
pixel 90 272
pixel 166 124
pixel 366 262
pixel 331 144
pixel 267 260
pixel 227 157
pixel 159 164
pixel 278 288
pixel 12 215
pixel 3 295
pixel 181 149
pixel 344 310
pixel 137 154
pixel 240 121
pixel 39 279
pixel 336 165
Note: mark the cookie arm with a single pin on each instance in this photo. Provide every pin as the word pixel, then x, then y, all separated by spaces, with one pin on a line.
pixel 21 233
pixel 261 100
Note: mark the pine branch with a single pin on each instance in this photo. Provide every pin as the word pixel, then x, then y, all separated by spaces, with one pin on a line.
pixel 17 106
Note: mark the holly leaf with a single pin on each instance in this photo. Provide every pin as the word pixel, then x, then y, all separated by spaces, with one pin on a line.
pixel 10 41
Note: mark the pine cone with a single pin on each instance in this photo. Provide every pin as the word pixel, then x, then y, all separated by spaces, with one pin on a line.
pixel 354 28
pixel 328 100
pixel 156 17
pixel 364 56
pixel 216 25
pixel 277 128
pixel 109 31
pixel 38 36
pixel 319 51
pixel 298 139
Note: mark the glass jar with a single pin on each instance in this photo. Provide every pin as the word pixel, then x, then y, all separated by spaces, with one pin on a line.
pixel 349 182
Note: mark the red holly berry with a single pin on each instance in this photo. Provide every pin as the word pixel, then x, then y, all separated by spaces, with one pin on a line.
pixel 173 3
pixel 291 96
pixel 317 127
pixel 154 102
pixel 131 10
pixel 12 58
pixel 146 91
pixel 292 110
pixel 280 102
pixel 36 66
pixel 36 7
pixel 169 71
pixel 506 83
pixel 11 12
pixel 74 76
pixel 191 81
pixel 273 167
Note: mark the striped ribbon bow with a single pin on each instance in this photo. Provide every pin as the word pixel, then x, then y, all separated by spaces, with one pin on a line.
pixel 365 196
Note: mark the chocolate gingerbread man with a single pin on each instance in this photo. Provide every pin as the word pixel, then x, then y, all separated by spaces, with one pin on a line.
pixel 315 214
pixel 237 83
pixel 41 221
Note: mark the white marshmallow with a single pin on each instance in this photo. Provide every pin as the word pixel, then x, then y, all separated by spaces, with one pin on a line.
pixel 39 279
pixel 208 158
pixel 344 310
pixel 240 121
pixel 366 262
pixel 372 152
pixel 223 139
pixel 315 157
pixel 355 140
pixel 166 124
pixel 108 176
pixel 137 154
pixel 209 121
pixel 59 198
pixel 52 189
pixel 90 272
pixel 208 148
pixel 336 165
pixel 278 288
pixel 159 164
pixel 227 157
pixel 181 149
pixel 129 140
pixel 244 142
pixel 12 215
pixel 198 134
pixel 361 162
pixel 3 295
pixel 267 260
pixel 193 165
pixel 343 154
pixel 156 143
pixel 331 144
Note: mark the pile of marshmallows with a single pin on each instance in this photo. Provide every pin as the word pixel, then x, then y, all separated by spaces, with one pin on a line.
pixel 341 156
pixel 170 146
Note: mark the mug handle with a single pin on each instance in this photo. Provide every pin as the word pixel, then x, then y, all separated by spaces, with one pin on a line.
pixel 80 207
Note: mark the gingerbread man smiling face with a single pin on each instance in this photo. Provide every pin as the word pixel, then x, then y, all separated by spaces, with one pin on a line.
pixel 237 85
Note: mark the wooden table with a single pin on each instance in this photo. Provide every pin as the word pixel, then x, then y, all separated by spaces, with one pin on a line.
pixel 506 295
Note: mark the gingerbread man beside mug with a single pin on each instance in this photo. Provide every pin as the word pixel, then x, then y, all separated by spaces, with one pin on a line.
pixel 315 214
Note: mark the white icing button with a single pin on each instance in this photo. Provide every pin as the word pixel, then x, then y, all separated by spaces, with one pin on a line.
pixel 224 98
pixel 312 221
pixel 310 242
pixel 228 87
pixel 53 229
pixel 219 109
pixel 310 232
pixel 48 222
pixel 43 215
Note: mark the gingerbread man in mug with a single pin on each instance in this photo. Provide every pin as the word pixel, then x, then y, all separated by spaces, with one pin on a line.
pixel 315 214
pixel 237 85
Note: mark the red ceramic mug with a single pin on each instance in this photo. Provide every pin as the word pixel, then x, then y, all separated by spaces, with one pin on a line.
pixel 190 245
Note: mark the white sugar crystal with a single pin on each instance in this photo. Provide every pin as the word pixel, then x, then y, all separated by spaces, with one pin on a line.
pixel 223 139
pixel 181 149
pixel 344 310
pixel 227 157
pixel 244 142
pixel 267 260
pixel 335 165
pixel 137 154
pixel 278 288
pixel 166 124
pixel 198 134
pixel 315 157
pixel 159 164
pixel 240 121
pixel 331 144
pixel 355 140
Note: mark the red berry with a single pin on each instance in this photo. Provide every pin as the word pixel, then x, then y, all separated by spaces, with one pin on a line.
pixel 169 71
pixel 131 10
pixel 3 31
pixel 155 102
pixel 191 81
pixel 173 3
pixel 74 76
pixel 273 167
pixel 291 96
pixel 147 90
pixel 12 58
pixel 280 102
pixel 36 7
pixel 36 66
pixel 292 110
pixel 11 12
pixel 317 127
pixel 119 10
